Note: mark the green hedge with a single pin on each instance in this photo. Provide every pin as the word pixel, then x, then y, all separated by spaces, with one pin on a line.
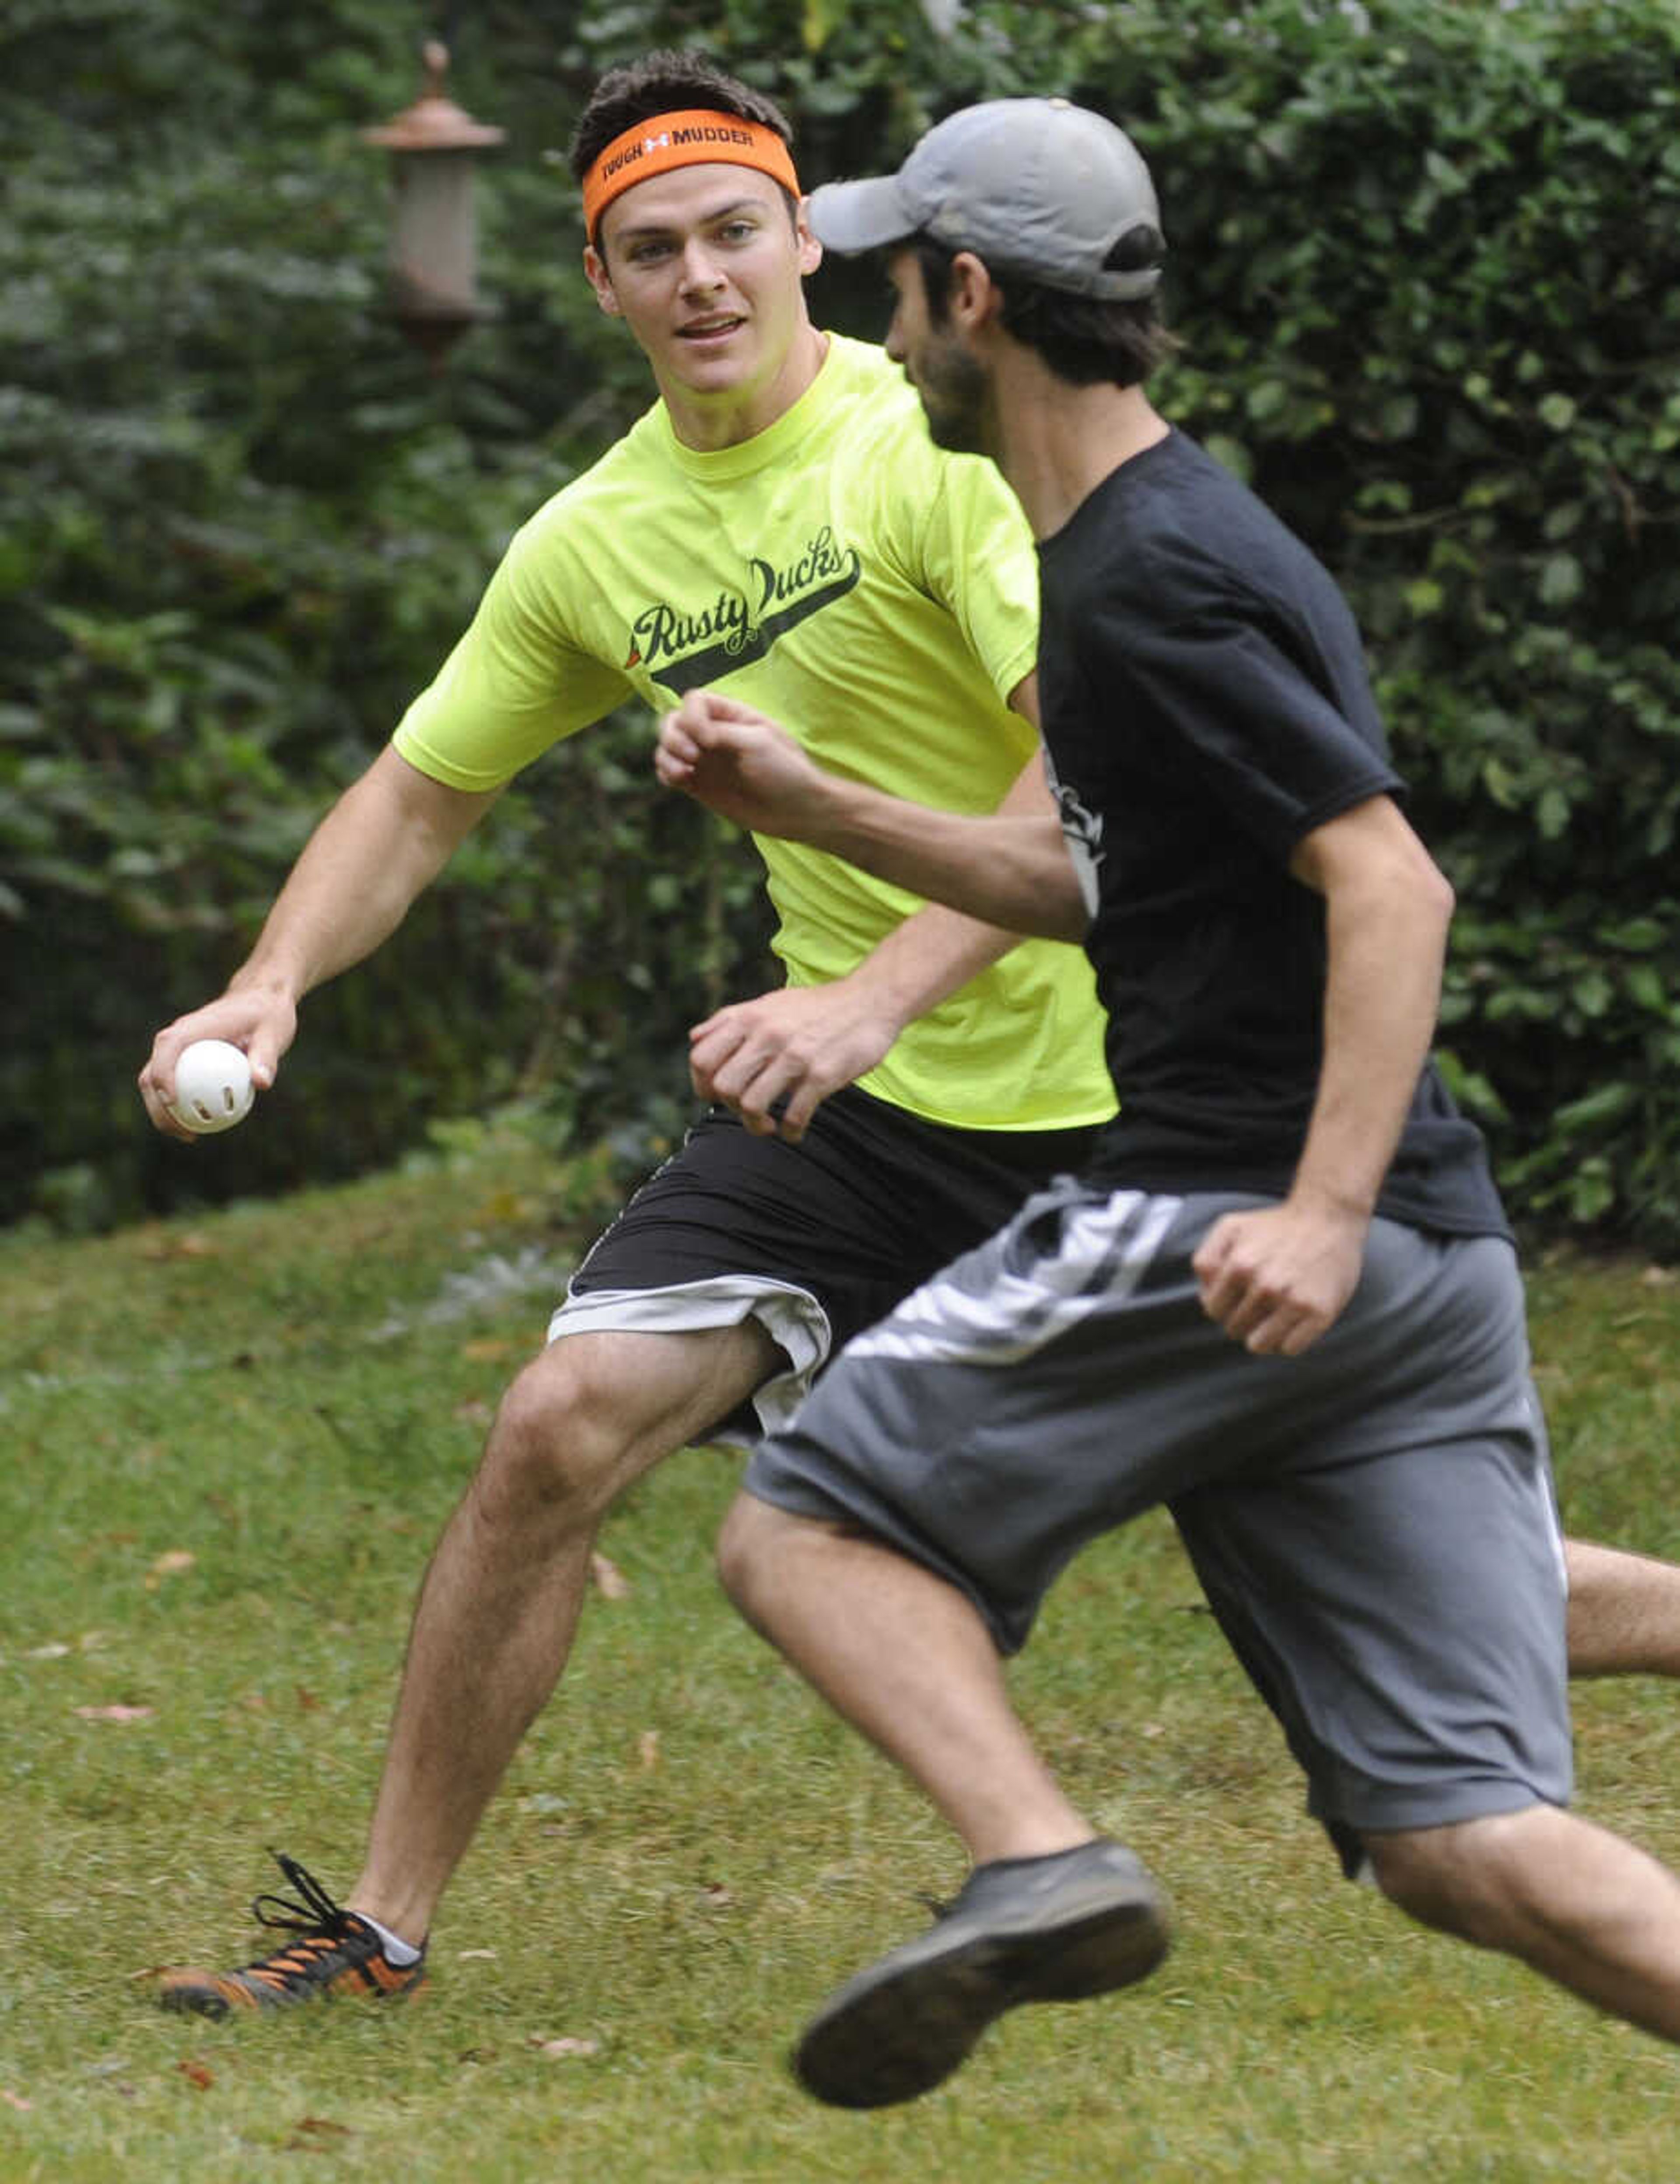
pixel 1425 263
pixel 1431 272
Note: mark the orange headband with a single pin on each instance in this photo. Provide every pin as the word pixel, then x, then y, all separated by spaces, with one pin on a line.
pixel 693 138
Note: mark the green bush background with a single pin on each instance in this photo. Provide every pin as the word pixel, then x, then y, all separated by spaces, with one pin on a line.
pixel 1426 264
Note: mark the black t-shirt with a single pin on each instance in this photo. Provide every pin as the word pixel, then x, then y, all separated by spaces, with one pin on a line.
pixel 1205 706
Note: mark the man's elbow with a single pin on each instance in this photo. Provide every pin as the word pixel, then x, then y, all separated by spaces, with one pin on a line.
pixel 1436 897
pixel 1409 885
pixel 1059 909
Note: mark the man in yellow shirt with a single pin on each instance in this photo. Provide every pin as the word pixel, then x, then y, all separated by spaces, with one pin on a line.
pixel 778 522
pixel 779 519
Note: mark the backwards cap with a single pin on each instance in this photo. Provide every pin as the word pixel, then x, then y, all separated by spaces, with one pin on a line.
pixel 1034 184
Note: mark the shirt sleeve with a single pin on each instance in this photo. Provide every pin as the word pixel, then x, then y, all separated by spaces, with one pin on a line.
pixel 979 561
pixel 515 685
pixel 1227 680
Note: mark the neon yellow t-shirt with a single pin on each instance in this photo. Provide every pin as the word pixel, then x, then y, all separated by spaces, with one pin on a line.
pixel 877 597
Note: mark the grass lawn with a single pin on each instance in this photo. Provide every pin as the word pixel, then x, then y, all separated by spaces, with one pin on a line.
pixel 229 1441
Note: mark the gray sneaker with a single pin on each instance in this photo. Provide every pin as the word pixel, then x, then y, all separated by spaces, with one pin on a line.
pixel 1057 1929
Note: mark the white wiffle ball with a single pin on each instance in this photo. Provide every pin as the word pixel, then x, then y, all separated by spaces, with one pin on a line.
pixel 213 1087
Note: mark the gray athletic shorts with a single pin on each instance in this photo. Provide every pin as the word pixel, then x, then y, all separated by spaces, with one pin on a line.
pixel 1373 1521
pixel 816 1241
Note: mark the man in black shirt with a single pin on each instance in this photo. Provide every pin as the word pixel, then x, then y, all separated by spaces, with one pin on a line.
pixel 1284 1297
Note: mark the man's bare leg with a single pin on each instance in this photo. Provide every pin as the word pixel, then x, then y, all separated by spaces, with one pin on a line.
pixel 1581 1905
pixel 906 1659
pixel 1624 1612
pixel 499 1605
pixel 1051 1913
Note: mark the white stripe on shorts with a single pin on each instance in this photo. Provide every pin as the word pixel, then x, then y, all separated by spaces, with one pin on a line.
pixel 1544 1487
pixel 1102 1253
pixel 791 1317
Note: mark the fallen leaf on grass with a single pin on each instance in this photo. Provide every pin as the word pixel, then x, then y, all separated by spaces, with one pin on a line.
pixel 170 1563
pixel 488 1350
pixel 714 1897
pixel 609 1580
pixel 54 1651
pixel 321 2127
pixel 15 2100
pixel 648 1749
pixel 462 1955
pixel 114 1713
pixel 90 1550
pixel 1659 1277
pixel 191 1246
pixel 197 2074
pixel 556 2049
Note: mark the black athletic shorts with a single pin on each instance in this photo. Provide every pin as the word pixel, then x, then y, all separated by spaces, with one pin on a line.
pixel 816 1241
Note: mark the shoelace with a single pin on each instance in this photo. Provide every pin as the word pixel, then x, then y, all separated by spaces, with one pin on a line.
pixel 316 1914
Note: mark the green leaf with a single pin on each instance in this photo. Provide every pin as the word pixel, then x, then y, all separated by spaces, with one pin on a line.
pixel 1608 1104
pixel 1267 398
pixel 1636 934
pixel 1232 453
pixel 1590 1193
pixel 1560 580
pixel 1424 596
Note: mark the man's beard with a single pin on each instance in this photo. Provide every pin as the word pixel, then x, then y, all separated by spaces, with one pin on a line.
pixel 954 391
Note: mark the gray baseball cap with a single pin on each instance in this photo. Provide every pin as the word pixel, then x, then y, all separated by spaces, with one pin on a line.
pixel 1035 184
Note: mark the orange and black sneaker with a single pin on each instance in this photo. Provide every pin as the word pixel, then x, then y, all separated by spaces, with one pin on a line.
pixel 335 1954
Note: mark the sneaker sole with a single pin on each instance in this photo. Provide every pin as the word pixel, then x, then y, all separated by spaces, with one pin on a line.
pixel 903 2025
pixel 219 2001
pixel 197 2001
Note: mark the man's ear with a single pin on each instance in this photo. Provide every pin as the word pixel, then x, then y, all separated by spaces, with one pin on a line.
pixel 808 249
pixel 595 268
pixel 975 299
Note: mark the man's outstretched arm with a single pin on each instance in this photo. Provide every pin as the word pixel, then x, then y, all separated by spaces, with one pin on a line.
pixel 775 1058
pixel 1011 869
pixel 386 839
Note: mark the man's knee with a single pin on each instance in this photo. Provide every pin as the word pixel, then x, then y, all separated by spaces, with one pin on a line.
pixel 567 1433
pixel 744 1546
pixel 768 1557
pixel 1475 1879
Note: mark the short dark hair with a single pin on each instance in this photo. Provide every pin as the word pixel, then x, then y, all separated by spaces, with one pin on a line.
pixel 666 81
pixel 1086 340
